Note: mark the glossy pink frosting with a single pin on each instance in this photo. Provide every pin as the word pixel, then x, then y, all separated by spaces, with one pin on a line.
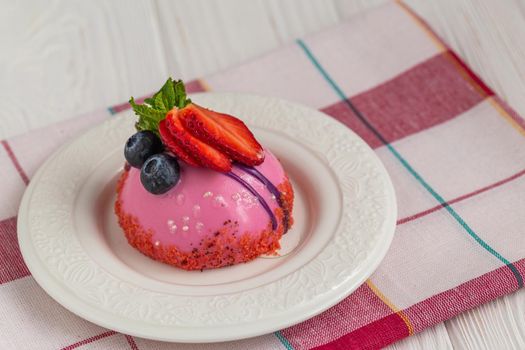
pixel 200 204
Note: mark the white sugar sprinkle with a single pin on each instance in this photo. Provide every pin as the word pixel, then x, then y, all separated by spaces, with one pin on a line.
pixel 196 210
pixel 219 202
pixel 185 228
pixel 207 194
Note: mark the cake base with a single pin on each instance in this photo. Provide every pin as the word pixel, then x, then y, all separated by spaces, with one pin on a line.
pixel 225 247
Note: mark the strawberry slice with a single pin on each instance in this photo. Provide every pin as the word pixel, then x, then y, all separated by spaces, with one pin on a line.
pixel 171 144
pixel 224 132
pixel 203 153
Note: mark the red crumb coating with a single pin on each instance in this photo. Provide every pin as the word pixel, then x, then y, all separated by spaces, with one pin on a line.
pixel 225 247
pixel 287 197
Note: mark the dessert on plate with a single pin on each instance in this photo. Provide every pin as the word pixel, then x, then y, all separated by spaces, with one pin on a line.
pixel 198 191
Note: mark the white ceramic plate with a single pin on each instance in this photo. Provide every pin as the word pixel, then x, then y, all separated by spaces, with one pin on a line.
pixel 345 212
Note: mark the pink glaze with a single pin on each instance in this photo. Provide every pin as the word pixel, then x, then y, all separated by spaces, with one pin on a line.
pixel 201 203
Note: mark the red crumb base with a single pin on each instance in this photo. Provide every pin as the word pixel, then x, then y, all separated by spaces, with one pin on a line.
pixel 286 202
pixel 224 248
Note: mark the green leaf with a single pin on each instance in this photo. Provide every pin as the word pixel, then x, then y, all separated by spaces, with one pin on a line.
pixel 149 117
pixel 180 93
pixel 146 111
pixel 150 100
pixel 154 109
pixel 168 94
pixel 159 102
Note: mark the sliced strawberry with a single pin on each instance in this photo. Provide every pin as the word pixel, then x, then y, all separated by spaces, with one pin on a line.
pixel 205 154
pixel 171 144
pixel 224 132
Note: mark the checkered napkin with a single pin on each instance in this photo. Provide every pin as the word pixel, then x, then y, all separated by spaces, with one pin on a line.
pixel 454 150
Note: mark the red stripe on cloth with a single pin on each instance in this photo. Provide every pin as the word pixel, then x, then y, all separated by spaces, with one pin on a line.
pixel 131 342
pixel 125 106
pixel 431 311
pixel 360 308
pixel 195 86
pixel 460 198
pixel 191 86
pixel 475 79
pixel 469 74
pixel 520 266
pixel 466 296
pixel 342 113
pixel 89 340
pixel 374 335
pixel 12 264
pixel 428 94
pixel 17 165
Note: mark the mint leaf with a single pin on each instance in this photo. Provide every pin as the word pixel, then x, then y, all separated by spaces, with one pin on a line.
pixel 147 112
pixel 180 93
pixel 159 102
pixel 168 94
pixel 150 100
pixel 149 117
pixel 154 109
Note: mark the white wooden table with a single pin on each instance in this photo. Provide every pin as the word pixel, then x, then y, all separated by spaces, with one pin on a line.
pixel 62 58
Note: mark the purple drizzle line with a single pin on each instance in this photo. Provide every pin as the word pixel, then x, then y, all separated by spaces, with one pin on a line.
pixel 264 180
pixel 256 194
pixel 271 187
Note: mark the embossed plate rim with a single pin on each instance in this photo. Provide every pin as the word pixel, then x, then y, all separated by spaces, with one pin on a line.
pixel 365 233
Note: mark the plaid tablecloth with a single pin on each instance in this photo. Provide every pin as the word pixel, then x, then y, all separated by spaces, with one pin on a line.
pixel 455 152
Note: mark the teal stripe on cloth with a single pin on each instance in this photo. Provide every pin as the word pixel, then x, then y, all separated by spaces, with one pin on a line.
pixel 283 340
pixel 407 166
pixel 111 110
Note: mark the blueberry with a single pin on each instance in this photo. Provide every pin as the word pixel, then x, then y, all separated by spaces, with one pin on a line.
pixel 160 173
pixel 141 146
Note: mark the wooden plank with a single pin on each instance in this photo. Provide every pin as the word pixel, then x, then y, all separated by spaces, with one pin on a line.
pixel 202 37
pixel 63 58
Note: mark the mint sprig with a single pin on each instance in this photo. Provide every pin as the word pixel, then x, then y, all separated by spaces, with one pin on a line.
pixel 154 109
